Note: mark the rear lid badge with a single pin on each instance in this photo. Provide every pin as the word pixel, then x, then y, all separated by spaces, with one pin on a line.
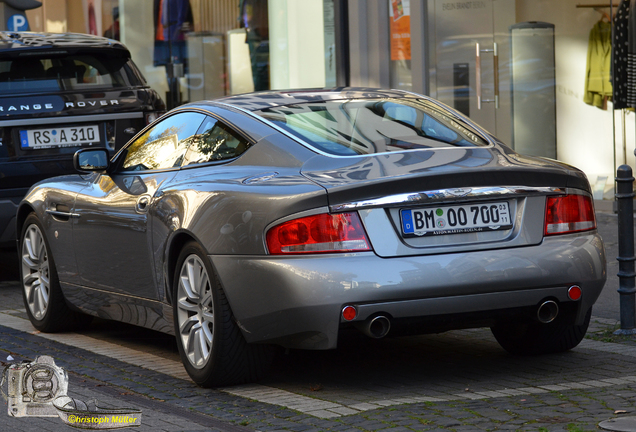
pixel 459 192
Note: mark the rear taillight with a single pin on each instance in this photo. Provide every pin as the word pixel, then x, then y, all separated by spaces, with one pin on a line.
pixel 153 115
pixel 321 233
pixel 569 213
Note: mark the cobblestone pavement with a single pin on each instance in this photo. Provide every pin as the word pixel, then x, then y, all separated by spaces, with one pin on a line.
pixel 460 380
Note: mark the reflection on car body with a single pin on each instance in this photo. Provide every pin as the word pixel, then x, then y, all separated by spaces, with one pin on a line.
pixel 282 218
pixel 60 93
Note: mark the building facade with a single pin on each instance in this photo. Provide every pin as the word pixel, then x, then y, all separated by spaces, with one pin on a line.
pixel 516 67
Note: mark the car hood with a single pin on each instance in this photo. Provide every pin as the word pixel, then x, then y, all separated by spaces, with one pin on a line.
pixel 347 179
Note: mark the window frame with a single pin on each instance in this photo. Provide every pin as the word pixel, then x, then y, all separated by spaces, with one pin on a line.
pixel 120 157
pixel 228 128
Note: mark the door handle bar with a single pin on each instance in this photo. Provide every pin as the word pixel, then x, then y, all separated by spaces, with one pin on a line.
pixel 478 74
pixel 495 55
pixel 62 214
pixel 495 60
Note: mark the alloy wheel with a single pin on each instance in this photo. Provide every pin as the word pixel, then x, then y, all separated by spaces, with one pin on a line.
pixel 36 280
pixel 195 311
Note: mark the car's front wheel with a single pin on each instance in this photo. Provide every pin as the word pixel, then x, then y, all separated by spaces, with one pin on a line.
pixel 41 292
pixel 210 343
pixel 530 337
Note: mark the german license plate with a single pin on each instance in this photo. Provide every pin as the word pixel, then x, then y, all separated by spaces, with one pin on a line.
pixel 456 219
pixel 59 137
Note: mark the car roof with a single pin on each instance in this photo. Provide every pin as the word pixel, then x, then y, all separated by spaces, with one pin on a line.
pixel 271 99
pixel 16 41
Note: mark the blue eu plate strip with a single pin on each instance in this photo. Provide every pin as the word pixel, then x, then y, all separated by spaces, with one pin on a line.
pixel 24 139
pixel 407 222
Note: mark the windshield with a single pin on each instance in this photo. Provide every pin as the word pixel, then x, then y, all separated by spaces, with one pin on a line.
pixel 46 73
pixel 357 127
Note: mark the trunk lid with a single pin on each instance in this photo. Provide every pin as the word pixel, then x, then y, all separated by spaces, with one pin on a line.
pixel 385 188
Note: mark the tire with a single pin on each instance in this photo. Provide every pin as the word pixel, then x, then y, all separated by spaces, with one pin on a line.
pixel 533 338
pixel 41 292
pixel 212 347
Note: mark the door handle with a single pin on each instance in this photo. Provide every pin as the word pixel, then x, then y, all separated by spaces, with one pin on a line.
pixel 478 74
pixel 495 60
pixel 62 215
pixel 142 203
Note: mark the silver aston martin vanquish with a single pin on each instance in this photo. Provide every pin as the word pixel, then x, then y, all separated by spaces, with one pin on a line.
pixel 285 218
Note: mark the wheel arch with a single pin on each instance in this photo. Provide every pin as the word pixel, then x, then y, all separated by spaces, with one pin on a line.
pixel 24 210
pixel 178 241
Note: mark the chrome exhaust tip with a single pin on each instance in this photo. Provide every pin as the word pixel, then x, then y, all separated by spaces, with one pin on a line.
pixel 548 311
pixel 376 327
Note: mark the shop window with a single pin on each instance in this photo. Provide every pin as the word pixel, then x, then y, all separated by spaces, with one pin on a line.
pixel 400 73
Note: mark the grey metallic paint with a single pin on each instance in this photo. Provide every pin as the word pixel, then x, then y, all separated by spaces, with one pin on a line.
pixel 116 260
pixel 310 292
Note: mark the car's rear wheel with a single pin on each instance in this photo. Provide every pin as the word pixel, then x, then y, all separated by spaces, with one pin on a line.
pixel 210 343
pixel 41 292
pixel 530 337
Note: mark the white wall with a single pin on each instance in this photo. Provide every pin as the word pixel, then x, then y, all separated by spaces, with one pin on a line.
pixel 137 33
pixel 584 132
pixel 238 63
pixel 296 44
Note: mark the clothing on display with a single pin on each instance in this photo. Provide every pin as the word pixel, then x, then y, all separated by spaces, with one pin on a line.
pixel 254 17
pixel 175 14
pixel 598 85
pixel 624 75
pixel 631 55
pixel 171 18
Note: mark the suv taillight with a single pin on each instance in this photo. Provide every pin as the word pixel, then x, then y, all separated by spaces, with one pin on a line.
pixel 153 115
pixel 569 213
pixel 342 232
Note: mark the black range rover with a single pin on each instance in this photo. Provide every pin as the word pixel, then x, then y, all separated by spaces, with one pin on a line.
pixel 58 93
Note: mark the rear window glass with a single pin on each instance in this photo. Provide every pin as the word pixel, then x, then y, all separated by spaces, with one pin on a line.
pixel 42 73
pixel 358 127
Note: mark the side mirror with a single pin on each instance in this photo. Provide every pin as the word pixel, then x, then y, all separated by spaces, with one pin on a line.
pixel 91 159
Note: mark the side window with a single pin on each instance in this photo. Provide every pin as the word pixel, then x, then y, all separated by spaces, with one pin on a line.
pixel 215 142
pixel 401 113
pixel 432 123
pixel 164 145
pixel 434 128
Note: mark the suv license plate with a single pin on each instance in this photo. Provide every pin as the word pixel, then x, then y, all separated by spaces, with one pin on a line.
pixel 456 219
pixel 59 137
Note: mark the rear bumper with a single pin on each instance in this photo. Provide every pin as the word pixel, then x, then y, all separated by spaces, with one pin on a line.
pixel 297 301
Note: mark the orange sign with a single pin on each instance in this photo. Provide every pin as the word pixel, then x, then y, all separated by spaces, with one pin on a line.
pixel 400 18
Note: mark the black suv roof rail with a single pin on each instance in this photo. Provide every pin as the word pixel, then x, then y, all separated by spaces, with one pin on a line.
pixel 11 40
pixel 9 35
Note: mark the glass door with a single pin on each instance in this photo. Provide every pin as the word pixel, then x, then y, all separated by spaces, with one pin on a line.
pixel 471 60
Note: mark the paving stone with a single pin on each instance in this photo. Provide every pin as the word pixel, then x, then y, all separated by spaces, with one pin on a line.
pixel 323 414
pixel 533 390
pixel 419 399
pixel 364 406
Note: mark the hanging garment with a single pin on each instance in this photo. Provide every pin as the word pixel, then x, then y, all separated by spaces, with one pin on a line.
pixel 172 18
pixel 631 55
pixel 619 54
pixel 174 15
pixel 598 85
